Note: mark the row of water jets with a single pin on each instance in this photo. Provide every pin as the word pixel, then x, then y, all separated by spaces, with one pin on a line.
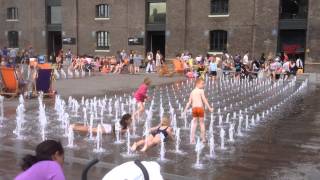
pixel 61 74
pixel 270 97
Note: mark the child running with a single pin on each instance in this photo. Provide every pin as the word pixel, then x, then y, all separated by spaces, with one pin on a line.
pixel 154 137
pixel 198 100
pixel 140 96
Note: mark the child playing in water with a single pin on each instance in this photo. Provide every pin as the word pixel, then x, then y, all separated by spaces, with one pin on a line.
pixel 198 100
pixel 125 122
pixel 154 137
pixel 140 96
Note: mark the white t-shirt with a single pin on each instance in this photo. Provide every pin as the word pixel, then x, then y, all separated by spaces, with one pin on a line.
pixel 299 63
pixel 245 59
pixel 198 58
pixel 286 66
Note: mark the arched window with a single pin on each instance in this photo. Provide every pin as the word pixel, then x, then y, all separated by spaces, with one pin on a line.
pixel 218 40
pixel 103 40
pixel 12 13
pixel 13 39
pixel 219 7
pixel 102 11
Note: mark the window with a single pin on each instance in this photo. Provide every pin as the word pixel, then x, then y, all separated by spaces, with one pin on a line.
pixel 102 11
pixel 218 40
pixel 54 15
pixel 219 7
pixel 13 39
pixel 12 13
pixel 294 9
pixel 102 40
pixel 157 13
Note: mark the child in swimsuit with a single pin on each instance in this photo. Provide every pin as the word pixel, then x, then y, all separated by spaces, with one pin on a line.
pixel 141 95
pixel 154 137
pixel 198 100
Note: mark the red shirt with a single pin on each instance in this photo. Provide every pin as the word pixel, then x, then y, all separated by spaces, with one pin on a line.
pixel 141 94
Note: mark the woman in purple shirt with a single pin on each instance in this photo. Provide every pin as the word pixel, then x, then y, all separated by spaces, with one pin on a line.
pixel 46 164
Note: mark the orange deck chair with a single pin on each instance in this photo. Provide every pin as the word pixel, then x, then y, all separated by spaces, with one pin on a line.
pixel 178 66
pixel 10 81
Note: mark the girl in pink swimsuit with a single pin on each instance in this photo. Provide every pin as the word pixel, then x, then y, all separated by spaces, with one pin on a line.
pixel 141 95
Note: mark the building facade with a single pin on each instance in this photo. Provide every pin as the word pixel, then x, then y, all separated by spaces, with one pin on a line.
pixel 102 27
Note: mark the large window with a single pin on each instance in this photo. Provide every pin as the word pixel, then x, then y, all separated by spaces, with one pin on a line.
pixel 12 13
pixel 219 7
pixel 102 11
pixel 157 13
pixel 294 9
pixel 13 39
pixel 103 40
pixel 54 15
pixel 218 40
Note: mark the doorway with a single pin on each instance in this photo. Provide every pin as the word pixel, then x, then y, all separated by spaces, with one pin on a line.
pixel 293 42
pixel 54 44
pixel 156 40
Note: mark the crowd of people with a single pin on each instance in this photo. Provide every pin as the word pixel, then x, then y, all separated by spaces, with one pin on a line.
pixel 194 66
pixel 226 64
pixel 123 61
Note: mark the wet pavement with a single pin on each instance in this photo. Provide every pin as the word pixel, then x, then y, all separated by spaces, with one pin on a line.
pixel 99 85
pixel 285 147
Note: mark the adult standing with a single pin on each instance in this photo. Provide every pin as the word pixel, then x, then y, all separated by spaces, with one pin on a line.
pixel 245 59
pixel 158 60
pixel 13 55
pixel 68 57
pixel 131 62
pixel 299 65
pixel 149 68
pixel 31 52
pixel 262 59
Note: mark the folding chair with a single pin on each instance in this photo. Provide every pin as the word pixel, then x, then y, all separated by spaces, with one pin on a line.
pixel 178 66
pixel 44 82
pixel 10 82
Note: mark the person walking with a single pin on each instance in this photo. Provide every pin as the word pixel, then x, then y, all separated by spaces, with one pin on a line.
pixel 149 67
pixel 68 57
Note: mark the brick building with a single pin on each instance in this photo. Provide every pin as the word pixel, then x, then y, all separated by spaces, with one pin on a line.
pixel 101 27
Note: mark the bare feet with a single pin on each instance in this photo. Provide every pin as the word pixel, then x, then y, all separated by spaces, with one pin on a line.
pixel 134 147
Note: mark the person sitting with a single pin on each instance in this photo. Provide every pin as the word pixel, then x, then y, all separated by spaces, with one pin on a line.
pixel 154 137
pixel 46 164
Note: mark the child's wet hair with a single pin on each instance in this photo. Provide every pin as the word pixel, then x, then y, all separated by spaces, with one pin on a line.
pixel 199 80
pixel 165 121
pixel 124 120
pixel 147 81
